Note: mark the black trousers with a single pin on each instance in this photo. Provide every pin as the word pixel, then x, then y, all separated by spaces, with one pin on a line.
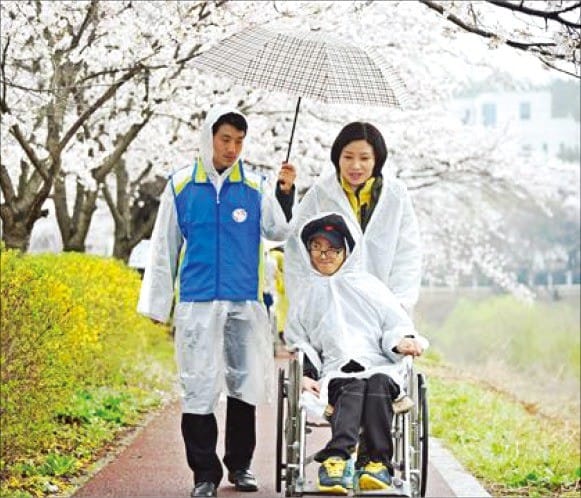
pixel 200 433
pixel 362 414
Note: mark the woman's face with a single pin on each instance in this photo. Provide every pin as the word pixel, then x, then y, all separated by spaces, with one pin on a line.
pixel 356 162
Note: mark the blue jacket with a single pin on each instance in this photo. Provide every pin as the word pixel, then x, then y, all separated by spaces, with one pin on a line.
pixel 221 256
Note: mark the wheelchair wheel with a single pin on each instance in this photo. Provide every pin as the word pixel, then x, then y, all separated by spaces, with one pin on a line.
pixel 279 431
pixel 418 434
pixel 423 433
pixel 292 429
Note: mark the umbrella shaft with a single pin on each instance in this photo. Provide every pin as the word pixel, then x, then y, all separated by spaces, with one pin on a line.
pixel 290 143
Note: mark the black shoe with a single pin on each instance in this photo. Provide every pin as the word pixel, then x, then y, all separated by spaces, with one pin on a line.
pixel 243 480
pixel 204 489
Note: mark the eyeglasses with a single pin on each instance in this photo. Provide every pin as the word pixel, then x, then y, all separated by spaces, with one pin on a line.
pixel 332 252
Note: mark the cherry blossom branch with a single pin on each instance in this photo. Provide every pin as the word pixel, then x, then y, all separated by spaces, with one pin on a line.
pixel 538 48
pixel 91 11
pixel 111 160
pixel 16 132
pixel 111 204
pixel 109 93
pixel 6 185
pixel 3 69
pixel 554 15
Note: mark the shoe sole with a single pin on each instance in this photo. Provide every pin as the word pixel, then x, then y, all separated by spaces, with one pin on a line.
pixel 250 488
pixel 243 488
pixel 246 488
pixel 332 490
pixel 368 482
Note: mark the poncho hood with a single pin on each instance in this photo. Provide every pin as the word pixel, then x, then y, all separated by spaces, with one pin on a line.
pixel 353 258
pixel 206 136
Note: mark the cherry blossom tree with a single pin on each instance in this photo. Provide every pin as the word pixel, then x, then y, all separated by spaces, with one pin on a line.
pixel 550 30
pixel 79 83
pixel 134 104
pixel 96 75
pixel 464 180
pixel 42 76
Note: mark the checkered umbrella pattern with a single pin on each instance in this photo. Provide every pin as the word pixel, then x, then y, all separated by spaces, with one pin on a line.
pixel 306 64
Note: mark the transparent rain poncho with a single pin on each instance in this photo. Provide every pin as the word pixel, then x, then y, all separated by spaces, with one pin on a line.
pixel 221 346
pixel 390 247
pixel 348 316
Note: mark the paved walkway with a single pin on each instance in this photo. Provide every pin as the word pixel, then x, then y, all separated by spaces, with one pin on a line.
pixel 153 464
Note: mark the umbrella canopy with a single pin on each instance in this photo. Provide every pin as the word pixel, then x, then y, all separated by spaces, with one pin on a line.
pixel 306 64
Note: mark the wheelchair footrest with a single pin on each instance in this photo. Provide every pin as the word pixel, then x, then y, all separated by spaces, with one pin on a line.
pixel 384 492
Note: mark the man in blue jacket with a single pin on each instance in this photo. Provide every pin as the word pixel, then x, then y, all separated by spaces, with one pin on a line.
pixel 206 248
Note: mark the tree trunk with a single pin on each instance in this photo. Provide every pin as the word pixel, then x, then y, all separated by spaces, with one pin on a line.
pixel 122 248
pixel 125 237
pixel 74 229
pixel 134 214
pixel 22 207
pixel 16 236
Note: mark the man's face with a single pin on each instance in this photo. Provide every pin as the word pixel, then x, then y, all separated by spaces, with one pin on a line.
pixel 227 144
pixel 324 258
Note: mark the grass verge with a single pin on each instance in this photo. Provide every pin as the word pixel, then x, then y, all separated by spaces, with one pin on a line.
pixel 512 450
pixel 89 427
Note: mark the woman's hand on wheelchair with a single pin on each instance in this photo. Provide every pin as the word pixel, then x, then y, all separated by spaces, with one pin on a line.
pixel 410 346
pixel 311 386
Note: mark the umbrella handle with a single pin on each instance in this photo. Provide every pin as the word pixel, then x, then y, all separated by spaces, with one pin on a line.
pixel 290 143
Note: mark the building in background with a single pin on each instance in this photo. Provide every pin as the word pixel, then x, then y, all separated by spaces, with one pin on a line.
pixel 544 121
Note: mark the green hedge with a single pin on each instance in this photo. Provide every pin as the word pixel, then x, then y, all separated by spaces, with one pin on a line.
pixel 73 351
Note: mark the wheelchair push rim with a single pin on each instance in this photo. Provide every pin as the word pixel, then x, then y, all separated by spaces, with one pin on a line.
pixel 280 466
pixel 423 432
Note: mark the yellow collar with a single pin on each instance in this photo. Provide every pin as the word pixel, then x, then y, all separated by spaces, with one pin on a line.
pixel 362 192
pixel 360 197
pixel 200 175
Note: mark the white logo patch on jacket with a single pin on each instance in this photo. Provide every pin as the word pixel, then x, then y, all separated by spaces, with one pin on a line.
pixel 239 215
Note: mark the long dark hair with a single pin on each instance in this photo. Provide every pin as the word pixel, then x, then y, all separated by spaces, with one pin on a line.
pixel 359 130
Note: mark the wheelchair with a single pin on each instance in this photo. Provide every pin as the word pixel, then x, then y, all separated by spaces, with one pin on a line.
pixel 410 434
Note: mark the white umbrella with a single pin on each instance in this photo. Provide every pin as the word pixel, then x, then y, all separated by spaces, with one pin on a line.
pixel 306 64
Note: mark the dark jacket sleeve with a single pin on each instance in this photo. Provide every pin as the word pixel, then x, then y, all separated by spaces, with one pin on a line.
pixel 286 201
pixel 309 369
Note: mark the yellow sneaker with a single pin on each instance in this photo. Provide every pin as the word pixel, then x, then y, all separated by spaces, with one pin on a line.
pixel 374 475
pixel 332 476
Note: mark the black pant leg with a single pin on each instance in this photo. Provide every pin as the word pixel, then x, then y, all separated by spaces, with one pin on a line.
pixel 240 439
pixel 346 396
pixel 377 418
pixel 200 433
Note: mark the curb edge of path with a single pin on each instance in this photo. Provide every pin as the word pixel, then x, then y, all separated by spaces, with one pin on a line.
pixel 460 481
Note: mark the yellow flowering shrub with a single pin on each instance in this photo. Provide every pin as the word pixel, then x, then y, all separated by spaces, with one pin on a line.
pixel 68 324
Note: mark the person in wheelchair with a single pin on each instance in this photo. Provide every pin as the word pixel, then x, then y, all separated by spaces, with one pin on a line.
pixel 354 334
